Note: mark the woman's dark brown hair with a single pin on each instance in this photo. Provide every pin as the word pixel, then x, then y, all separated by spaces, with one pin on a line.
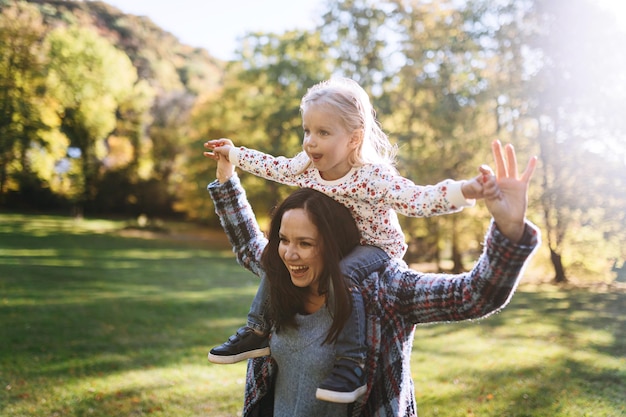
pixel 338 236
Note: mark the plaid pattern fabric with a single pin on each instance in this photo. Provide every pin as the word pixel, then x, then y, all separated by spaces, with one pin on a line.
pixel 396 300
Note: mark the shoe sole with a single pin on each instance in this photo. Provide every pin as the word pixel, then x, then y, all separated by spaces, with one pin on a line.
pixel 228 359
pixel 340 397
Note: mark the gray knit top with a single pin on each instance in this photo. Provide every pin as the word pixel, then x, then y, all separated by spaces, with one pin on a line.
pixel 303 363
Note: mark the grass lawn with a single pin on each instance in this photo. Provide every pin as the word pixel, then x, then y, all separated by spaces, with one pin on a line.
pixel 94 322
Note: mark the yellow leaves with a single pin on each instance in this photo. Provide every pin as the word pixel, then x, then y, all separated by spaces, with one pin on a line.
pixel 120 152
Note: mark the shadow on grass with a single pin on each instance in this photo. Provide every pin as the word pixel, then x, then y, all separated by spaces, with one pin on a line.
pixel 567 317
pixel 550 353
pixel 85 304
pixel 560 388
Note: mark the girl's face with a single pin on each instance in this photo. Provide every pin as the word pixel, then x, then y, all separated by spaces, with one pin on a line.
pixel 300 249
pixel 327 142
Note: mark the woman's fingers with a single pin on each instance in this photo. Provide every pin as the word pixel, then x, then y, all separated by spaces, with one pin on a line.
pixel 530 169
pixel 511 161
pixel 506 162
pixel 498 157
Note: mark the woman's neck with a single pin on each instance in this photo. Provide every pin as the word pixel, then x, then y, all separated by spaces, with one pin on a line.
pixel 314 302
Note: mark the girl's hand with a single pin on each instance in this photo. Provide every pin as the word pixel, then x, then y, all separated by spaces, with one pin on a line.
pixel 473 189
pixel 218 147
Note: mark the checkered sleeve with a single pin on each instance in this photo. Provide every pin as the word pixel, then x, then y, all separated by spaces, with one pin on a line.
pixel 486 289
pixel 239 223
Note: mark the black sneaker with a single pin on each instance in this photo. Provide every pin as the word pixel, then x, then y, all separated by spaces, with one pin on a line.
pixel 345 384
pixel 244 344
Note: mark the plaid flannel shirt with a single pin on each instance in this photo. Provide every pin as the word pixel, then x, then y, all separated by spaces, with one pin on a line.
pixel 396 299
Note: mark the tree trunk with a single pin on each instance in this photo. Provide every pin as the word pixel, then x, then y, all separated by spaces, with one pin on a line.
pixel 3 178
pixel 457 266
pixel 559 271
pixel 434 231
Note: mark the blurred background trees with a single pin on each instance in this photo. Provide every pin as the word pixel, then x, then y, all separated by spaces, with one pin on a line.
pixel 103 113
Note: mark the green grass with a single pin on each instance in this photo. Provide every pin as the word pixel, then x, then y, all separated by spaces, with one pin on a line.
pixel 96 323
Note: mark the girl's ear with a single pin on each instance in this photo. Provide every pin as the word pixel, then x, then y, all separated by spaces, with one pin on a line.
pixel 357 138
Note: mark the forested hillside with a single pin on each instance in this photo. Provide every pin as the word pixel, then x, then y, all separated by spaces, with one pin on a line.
pixel 105 96
pixel 157 54
pixel 103 113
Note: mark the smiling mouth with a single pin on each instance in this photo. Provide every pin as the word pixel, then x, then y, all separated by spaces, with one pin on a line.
pixel 298 269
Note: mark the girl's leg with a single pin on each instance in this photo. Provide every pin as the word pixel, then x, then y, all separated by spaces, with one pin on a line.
pixel 347 381
pixel 258 314
pixel 250 341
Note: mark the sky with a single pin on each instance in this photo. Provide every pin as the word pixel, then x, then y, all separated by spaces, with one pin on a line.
pixel 216 24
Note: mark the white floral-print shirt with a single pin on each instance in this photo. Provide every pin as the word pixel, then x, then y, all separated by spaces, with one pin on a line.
pixel 374 193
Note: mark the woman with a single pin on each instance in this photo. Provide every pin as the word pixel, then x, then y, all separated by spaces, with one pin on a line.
pixel 301 256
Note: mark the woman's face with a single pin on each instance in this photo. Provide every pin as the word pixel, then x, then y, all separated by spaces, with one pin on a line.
pixel 300 249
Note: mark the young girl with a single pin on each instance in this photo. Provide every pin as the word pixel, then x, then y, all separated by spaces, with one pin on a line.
pixel 347 156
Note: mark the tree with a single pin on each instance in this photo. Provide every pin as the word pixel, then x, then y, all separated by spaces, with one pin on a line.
pixel 89 77
pixel 573 102
pixel 554 77
pixel 23 115
pixel 357 33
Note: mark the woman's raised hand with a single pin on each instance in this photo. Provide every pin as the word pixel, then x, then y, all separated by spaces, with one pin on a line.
pixel 506 193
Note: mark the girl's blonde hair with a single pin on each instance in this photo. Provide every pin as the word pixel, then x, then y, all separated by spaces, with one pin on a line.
pixel 352 104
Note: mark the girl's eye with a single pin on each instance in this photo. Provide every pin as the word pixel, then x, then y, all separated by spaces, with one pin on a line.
pixel 307 132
